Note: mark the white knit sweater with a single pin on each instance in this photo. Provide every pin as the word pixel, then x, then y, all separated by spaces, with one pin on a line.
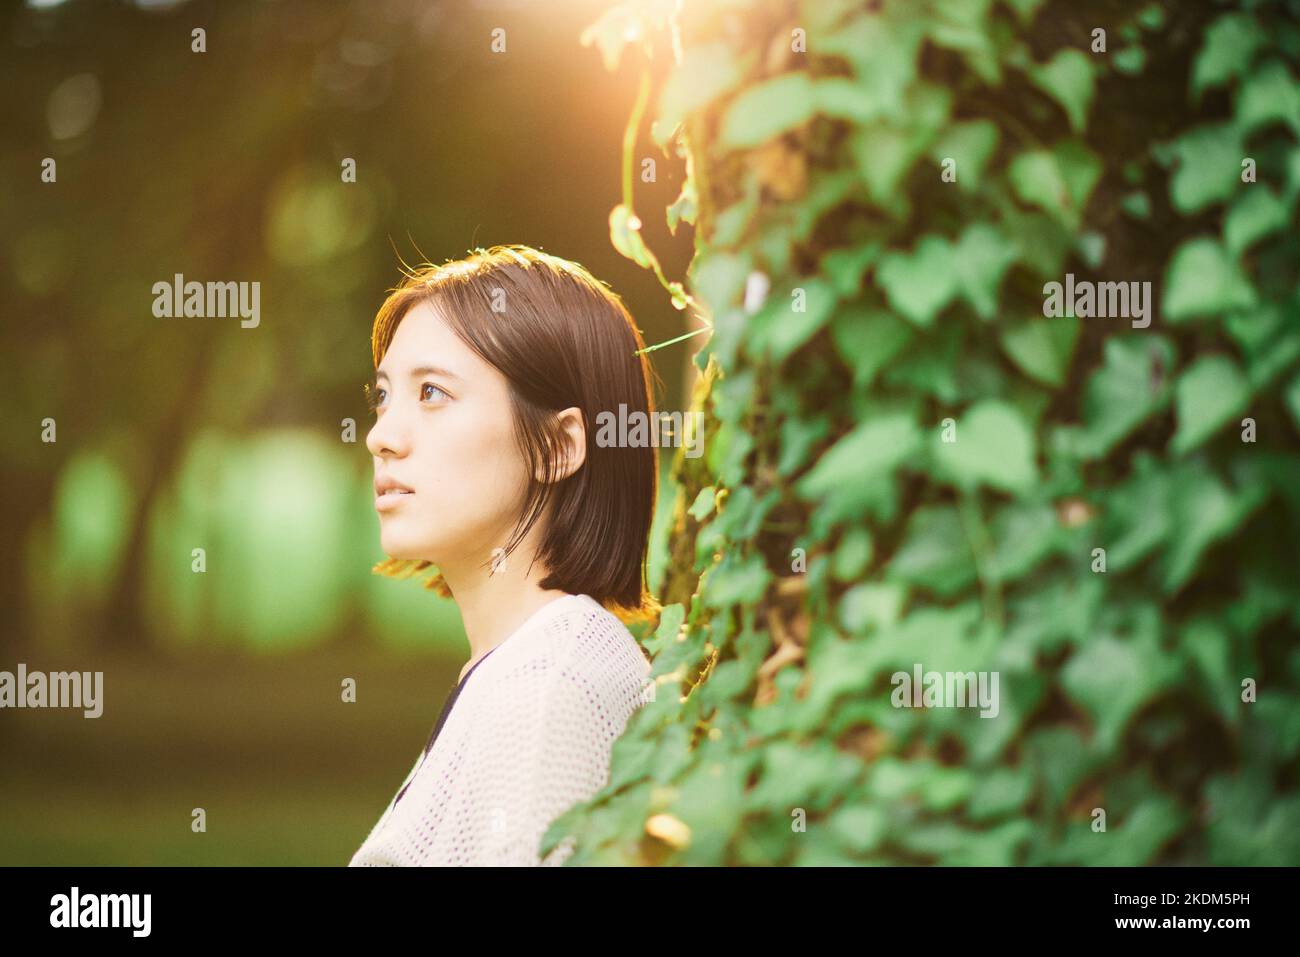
pixel 528 737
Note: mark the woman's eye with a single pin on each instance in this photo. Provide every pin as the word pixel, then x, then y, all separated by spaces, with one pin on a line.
pixel 430 385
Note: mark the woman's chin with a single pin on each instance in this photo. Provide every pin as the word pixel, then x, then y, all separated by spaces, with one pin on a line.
pixel 402 551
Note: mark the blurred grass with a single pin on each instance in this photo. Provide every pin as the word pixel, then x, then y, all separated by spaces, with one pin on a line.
pixel 254 733
pixel 286 771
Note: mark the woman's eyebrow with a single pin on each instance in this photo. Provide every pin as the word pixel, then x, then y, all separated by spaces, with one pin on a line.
pixel 419 371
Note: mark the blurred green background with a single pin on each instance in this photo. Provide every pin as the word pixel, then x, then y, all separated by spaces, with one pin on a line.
pixel 222 689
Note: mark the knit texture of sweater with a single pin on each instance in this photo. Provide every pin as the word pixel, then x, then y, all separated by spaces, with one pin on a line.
pixel 528 736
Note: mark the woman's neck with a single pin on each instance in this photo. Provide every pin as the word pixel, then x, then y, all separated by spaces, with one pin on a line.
pixel 493 606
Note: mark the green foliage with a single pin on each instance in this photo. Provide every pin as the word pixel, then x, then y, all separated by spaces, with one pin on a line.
pixel 922 467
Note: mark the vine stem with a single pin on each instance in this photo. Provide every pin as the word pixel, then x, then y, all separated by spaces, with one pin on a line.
pixel 676 290
pixel 669 342
pixel 630 131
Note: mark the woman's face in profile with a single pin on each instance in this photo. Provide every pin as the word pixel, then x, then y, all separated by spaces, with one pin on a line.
pixel 444 430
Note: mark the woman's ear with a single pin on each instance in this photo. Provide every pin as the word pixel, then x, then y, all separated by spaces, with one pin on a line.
pixel 573 451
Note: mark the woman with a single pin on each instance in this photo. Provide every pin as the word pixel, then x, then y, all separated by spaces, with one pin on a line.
pixel 489 373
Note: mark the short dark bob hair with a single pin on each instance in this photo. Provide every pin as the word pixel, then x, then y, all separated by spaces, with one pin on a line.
pixel 561 338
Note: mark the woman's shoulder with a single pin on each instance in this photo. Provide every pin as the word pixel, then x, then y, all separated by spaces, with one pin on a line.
pixel 588 639
pixel 581 645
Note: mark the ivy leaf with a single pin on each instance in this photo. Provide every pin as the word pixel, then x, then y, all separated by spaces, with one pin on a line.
pixel 1026 10
pixel 1111 678
pixel 704 74
pixel 798 437
pixel 1270 95
pixel 1059 180
pixel 930 366
pixel 1208 647
pixel 670 621
pixel 1060 759
pixel 1281 713
pixel 993 446
pixel 1252 824
pixel 1260 211
pixel 859 827
pixel 625 234
pixel 719 278
pixel 1091 247
pixel 935 553
pixel 999 793
pixel 702 507
pixel 884 153
pixel 742 513
pixel 1203 279
pixel 852 554
pixel 922 282
pixel 1043 349
pixel 847 100
pixel 767 110
pixel 684 209
pixel 868 339
pixel 1269 362
pixel 929 634
pixel 1257 331
pixel 1130 60
pixel 846 265
pixel 868 606
pixel 736 581
pixel 1136 516
pixel 1043 243
pixel 780 328
pixel 1036 178
pixel 1137 837
pixel 1202 511
pixel 874 448
pixel 963 26
pixel 945 789
pixel 926 108
pixel 1209 166
pixel 1122 394
pixel 1212 391
pixel 982 256
pixel 733 222
pixel 1067 78
pixel 1023 535
pixel 615 29
pixel 883 54
pixel 733 395
pixel 1137 204
pixel 825 191
pixel 1152 17
pixel 1019 694
pixel 727 453
pixel 970 145
pixel 1230 44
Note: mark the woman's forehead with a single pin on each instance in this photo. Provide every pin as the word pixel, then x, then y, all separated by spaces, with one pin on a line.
pixel 425 344
pixel 424 339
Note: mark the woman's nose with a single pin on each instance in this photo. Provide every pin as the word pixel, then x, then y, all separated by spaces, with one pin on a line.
pixel 384 437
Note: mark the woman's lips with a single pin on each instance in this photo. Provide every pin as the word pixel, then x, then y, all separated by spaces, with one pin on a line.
pixel 390 499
